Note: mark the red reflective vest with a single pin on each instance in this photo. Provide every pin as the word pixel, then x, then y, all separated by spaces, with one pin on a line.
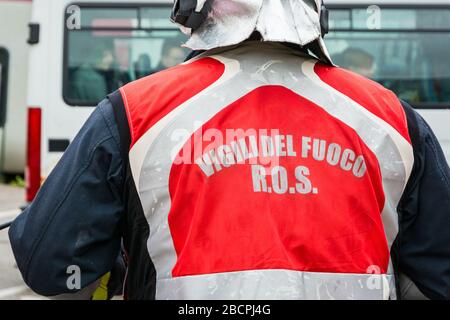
pixel 264 174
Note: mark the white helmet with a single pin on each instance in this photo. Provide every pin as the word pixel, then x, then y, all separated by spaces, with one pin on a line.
pixel 219 23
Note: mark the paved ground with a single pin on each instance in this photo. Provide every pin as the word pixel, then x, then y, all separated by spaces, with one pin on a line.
pixel 11 283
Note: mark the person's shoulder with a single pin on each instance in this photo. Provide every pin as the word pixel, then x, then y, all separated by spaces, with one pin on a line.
pixel 174 85
pixel 375 98
pixel 86 73
pixel 151 98
pixel 185 75
pixel 348 78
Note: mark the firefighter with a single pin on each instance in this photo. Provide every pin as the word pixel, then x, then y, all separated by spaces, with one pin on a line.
pixel 255 170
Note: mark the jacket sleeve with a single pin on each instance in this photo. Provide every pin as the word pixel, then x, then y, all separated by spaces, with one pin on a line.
pixel 73 225
pixel 424 212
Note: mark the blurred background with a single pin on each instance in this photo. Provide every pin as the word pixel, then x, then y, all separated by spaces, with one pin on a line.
pixel 59 58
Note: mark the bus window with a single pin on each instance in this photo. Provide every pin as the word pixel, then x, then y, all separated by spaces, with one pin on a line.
pixel 115 46
pixel 4 59
pixel 407 52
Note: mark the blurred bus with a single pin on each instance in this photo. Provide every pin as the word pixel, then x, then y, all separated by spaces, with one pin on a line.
pixel 404 45
pixel 84 50
pixel 14 18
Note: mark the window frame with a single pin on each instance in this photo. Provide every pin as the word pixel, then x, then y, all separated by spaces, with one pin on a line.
pixel 131 5
pixel 138 6
pixel 422 105
pixel 4 60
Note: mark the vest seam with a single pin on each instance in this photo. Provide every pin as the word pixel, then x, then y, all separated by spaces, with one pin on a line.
pixel 128 112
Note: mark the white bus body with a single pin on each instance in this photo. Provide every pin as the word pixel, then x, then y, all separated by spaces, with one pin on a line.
pixel 62 61
pixel 14 18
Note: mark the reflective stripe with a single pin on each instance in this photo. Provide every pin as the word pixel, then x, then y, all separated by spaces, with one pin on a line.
pixel 151 161
pixel 394 153
pixel 139 150
pixel 277 285
pixel 101 293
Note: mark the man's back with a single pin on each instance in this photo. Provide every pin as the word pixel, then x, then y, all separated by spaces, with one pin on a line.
pixel 259 168
pixel 251 173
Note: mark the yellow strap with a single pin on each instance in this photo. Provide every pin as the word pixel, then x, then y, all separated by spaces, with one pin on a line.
pixel 101 293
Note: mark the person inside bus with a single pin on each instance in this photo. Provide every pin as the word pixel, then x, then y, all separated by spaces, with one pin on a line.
pixel 87 84
pixel 98 76
pixel 171 55
pixel 358 61
pixel 110 69
pixel 143 66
